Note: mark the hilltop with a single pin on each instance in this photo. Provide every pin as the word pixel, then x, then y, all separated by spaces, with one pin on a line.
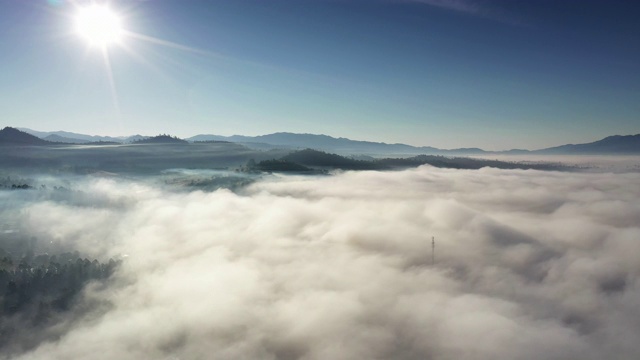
pixel 161 139
pixel 13 136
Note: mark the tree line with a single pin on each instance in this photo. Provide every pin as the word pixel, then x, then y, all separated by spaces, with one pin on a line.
pixel 36 290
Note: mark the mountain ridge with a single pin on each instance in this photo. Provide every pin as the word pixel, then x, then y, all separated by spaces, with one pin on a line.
pixel 627 144
pixel 72 137
pixel 13 136
pixel 612 145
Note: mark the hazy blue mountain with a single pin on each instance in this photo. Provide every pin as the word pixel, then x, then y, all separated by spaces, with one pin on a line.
pixel 161 139
pixel 66 140
pixel 617 144
pixel 13 136
pixel 629 144
pixel 205 137
pixel 72 135
pixel 134 138
pixel 321 142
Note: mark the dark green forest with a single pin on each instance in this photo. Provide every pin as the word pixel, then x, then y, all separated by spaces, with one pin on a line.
pixel 309 160
pixel 37 291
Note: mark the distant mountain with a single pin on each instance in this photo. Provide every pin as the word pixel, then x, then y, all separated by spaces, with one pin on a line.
pixel 629 144
pixel 321 142
pixel 135 138
pixel 13 136
pixel 205 137
pixel 161 139
pixel 71 135
pixel 617 144
pixel 62 139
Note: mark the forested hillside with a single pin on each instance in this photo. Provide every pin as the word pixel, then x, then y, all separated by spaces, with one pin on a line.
pixel 36 290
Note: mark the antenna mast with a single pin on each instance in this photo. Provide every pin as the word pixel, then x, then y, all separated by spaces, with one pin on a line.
pixel 433 250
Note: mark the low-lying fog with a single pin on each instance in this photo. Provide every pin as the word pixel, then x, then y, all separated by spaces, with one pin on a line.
pixel 598 163
pixel 528 265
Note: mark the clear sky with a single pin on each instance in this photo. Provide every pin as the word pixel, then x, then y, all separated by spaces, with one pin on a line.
pixel 445 73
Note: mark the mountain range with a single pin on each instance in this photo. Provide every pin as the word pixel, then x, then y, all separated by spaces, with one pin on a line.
pixel 12 136
pixel 76 138
pixel 617 144
pixel 612 145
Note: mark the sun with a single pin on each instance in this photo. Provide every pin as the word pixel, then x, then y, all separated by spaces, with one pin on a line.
pixel 99 25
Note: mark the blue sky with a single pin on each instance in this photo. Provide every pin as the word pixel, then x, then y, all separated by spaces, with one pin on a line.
pixel 445 73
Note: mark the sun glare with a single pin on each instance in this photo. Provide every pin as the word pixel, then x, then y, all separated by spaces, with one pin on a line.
pixel 99 25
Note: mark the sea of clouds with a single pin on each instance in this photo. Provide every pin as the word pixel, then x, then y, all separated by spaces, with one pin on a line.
pixel 528 265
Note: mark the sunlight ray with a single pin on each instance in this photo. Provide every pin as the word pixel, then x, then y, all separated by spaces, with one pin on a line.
pixel 148 64
pixel 171 44
pixel 112 86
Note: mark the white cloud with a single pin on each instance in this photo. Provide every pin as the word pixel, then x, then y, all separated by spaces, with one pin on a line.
pixel 529 265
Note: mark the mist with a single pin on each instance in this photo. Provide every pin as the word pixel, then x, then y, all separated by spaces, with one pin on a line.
pixel 591 162
pixel 527 265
